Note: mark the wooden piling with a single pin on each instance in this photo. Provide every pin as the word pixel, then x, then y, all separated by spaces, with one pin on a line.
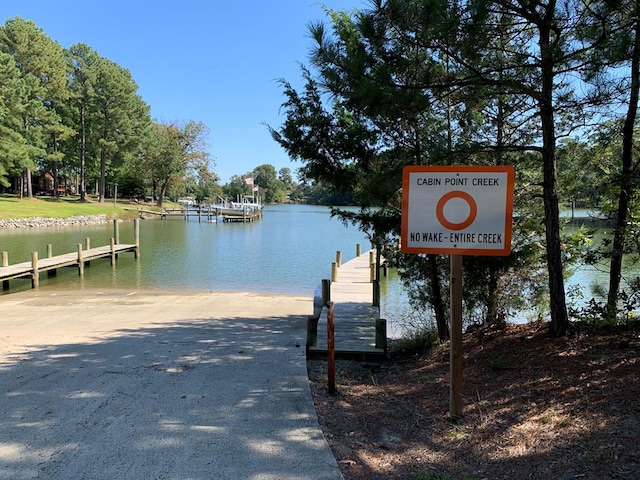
pixel 87 246
pixel 116 231
pixel 5 263
pixel 381 334
pixel 376 293
pixel 339 258
pixel 334 272
pixel 331 348
pixel 53 272
pixel 136 237
pixel 80 260
pixel 312 331
pixel 358 250
pixel 112 244
pixel 326 291
pixel 35 276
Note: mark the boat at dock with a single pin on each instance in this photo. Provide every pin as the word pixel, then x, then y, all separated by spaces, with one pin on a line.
pixel 246 208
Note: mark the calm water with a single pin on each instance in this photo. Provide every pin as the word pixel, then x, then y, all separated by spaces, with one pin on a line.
pixel 289 251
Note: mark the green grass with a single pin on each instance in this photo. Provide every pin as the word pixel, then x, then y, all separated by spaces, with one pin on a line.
pixel 47 207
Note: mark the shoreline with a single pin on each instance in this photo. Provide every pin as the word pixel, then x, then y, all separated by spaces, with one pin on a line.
pixel 46 222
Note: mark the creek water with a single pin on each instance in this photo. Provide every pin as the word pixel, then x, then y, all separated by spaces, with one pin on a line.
pixel 289 251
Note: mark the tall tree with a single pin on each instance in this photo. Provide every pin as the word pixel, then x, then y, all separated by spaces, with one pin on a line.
pixel 42 66
pixel 84 69
pixel 121 117
pixel 14 149
pixel 621 49
pixel 171 152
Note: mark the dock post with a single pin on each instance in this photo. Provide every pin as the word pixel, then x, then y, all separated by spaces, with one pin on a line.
pixel 376 293
pixel 87 246
pixel 331 348
pixel 381 334
pixel 358 250
pixel 326 291
pixel 136 237
pixel 372 266
pixel 80 261
pixel 54 271
pixel 5 263
pixel 334 272
pixel 35 277
pixel 312 331
pixel 116 231
pixel 339 258
pixel 112 244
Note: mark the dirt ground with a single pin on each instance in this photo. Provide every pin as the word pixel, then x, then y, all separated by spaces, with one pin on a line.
pixel 535 407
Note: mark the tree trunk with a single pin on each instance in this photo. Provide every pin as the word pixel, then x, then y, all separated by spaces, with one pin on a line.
pixel 163 191
pixel 55 167
pixel 436 298
pixel 558 307
pixel 28 186
pixel 103 174
pixel 492 318
pixel 626 183
pixel 83 152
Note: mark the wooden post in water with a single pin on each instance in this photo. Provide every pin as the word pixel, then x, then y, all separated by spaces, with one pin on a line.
pixel 87 246
pixel 331 348
pixel 35 277
pixel 334 272
pixel 5 263
pixel 112 244
pixel 136 237
pixel 455 360
pixel 116 231
pixel 80 261
pixel 339 258
pixel 358 250
pixel 54 271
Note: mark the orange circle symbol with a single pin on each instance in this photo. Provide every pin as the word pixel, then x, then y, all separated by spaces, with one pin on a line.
pixel 473 210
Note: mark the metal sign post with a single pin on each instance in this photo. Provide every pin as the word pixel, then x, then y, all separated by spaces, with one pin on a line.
pixel 457 210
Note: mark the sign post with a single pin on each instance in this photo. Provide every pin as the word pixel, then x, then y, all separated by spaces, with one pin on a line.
pixel 457 210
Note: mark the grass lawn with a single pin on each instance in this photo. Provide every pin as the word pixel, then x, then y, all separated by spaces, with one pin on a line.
pixel 48 207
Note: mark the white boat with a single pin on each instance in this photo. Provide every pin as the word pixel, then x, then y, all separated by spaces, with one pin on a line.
pixel 246 209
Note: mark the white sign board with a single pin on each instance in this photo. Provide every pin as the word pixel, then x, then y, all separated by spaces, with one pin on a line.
pixel 457 210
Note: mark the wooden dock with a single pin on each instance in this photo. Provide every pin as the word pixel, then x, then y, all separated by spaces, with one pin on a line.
pixel 359 331
pixel 82 256
pixel 211 214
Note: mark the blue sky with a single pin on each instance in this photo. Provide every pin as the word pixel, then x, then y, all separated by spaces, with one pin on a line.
pixel 214 61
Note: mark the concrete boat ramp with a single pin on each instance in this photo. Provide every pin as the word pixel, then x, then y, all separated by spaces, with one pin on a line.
pixel 150 385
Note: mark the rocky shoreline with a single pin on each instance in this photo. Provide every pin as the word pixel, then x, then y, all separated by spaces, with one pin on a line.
pixel 40 222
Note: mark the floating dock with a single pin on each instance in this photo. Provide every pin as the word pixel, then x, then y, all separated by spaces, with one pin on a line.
pixel 359 331
pixel 82 256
